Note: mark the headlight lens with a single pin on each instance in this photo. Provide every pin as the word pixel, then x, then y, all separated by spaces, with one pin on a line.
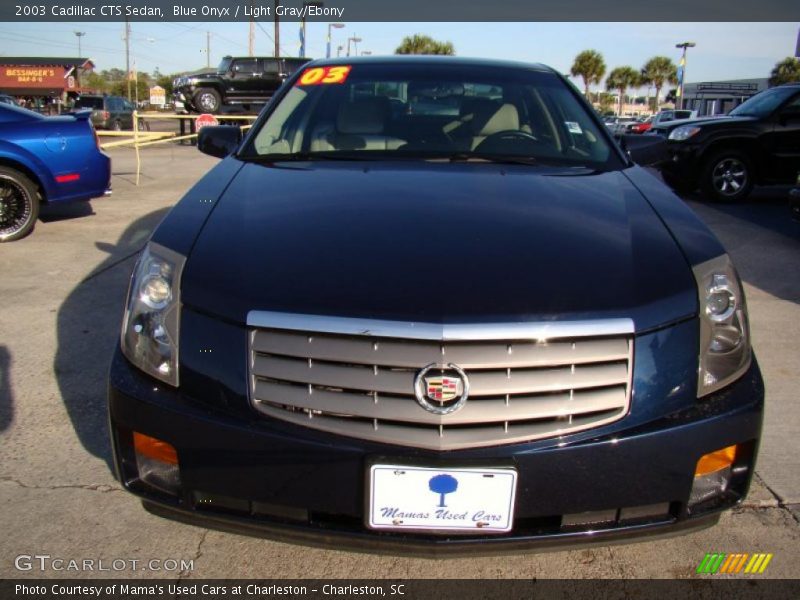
pixel 152 315
pixel 724 335
pixel 683 133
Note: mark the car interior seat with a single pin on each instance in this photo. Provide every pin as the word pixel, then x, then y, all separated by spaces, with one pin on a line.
pixel 360 125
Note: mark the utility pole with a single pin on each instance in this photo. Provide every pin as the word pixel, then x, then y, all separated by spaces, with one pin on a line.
pixel 252 41
pixel 128 55
pixel 79 35
pixel 208 49
pixel 336 26
pixel 682 69
pixel 277 34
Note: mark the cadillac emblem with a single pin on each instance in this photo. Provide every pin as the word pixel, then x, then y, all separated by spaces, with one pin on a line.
pixel 441 389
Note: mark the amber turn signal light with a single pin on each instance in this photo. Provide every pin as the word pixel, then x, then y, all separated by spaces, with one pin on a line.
pixel 154 448
pixel 715 461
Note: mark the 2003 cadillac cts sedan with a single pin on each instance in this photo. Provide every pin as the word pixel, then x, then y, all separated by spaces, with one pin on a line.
pixel 429 304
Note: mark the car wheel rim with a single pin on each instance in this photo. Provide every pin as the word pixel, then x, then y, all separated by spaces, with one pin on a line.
pixel 15 208
pixel 729 176
pixel 208 102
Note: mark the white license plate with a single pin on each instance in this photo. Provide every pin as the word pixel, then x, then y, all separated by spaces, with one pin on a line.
pixel 468 499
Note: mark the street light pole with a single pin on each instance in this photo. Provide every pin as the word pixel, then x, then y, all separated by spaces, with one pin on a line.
pixel 355 41
pixel 682 67
pixel 79 35
pixel 328 49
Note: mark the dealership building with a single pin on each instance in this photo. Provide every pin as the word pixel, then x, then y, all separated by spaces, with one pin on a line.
pixel 45 80
pixel 720 97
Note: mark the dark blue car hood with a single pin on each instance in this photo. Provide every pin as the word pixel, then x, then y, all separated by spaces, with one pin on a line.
pixel 438 243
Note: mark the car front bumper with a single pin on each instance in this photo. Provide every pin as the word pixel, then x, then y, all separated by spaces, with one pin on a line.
pixel 683 161
pixel 261 476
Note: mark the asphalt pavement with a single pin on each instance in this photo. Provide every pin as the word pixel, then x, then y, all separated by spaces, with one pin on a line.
pixel 62 295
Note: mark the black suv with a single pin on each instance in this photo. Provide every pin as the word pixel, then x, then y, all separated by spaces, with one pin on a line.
pixel 757 143
pixel 247 81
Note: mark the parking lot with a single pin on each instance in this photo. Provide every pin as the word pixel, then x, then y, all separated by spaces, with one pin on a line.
pixel 62 293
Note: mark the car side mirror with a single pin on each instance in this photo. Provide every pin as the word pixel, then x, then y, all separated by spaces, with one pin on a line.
pixel 219 140
pixel 645 150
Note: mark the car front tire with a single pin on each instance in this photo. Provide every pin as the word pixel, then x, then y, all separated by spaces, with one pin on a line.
pixel 727 176
pixel 207 100
pixel 19 205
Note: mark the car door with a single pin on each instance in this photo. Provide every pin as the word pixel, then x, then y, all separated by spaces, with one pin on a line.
pixel 272 77
pixel 781 142
pixel 244 79
pixel 126 116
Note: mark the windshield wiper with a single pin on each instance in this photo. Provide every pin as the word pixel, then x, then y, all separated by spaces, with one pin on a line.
pixel 307 156
pixel 504 159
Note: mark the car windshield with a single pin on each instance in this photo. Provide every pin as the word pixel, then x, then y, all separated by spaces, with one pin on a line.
pixel 224 65
pixel 762 104
pixel 452 111
pixel 93 103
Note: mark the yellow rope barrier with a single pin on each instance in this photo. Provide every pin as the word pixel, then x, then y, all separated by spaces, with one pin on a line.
pixel 139 139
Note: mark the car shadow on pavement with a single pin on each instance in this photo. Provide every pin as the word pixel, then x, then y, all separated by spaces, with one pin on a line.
pixel 6 399
pixel 760 236
pixel 88 328
pixel 62 212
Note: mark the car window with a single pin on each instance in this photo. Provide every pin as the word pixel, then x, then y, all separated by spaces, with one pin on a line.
pixel 93 103
pixel 763 103
pixel 271 66
pixel 416 111
pixel 246 66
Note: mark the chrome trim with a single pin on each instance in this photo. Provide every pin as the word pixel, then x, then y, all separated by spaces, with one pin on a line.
pixel 519 330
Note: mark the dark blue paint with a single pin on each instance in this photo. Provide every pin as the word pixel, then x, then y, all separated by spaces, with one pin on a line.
pixel 45 147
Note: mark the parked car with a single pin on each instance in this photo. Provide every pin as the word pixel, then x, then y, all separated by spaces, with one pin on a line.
pixel 45 160
pixel 108 112
pixel 757 143
pixel 620 125
pixel 643 126
pixel 383 328
pixel 246 82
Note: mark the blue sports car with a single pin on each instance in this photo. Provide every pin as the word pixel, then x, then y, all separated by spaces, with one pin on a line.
pixel 44 160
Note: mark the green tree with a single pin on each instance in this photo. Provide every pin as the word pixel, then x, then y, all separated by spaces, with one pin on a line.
pixel 672 96
pixel 658 71
pixel 621 79
pixel 786 71
pixel 424 44
pixel 95 83
pixel 590 66
pixel 606 102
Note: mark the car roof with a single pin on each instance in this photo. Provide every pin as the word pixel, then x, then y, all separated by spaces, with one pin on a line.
pixel 429 59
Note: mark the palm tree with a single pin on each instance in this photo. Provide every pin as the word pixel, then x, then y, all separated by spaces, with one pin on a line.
pixel 424 44
pixel 658 71
pixel 786 71
pixel 590 66
pixel 621 79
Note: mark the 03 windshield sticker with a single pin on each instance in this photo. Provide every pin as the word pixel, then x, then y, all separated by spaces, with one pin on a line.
pixel 324 75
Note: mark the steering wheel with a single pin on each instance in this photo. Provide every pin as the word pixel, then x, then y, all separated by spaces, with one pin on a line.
pixel 508 134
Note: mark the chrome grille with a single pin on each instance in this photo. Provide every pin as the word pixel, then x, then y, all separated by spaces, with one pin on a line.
pixel 356 378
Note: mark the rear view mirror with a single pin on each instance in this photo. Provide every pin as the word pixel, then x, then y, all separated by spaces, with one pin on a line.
pixel 219 140
pixel 645 150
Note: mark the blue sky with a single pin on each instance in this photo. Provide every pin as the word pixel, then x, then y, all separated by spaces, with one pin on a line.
pixel 724 50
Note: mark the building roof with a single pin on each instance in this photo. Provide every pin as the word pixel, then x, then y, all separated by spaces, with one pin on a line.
pixel 38 61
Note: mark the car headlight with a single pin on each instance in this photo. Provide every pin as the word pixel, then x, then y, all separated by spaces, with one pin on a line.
pixel 684 132
pixel 152 315
pixel 725 352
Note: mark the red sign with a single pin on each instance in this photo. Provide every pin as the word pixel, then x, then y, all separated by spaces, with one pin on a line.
pixel 12 77
pixel 205 120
